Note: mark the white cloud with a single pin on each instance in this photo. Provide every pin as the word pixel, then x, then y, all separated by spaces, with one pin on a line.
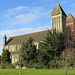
pixel 15 11
pixel 23 15
pixel 20 8
pixel 22 31
pixel 24 18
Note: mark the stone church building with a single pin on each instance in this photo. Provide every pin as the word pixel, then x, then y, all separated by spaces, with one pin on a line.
pixel 60 21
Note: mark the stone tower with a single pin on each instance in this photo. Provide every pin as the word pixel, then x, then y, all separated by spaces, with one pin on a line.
pixel 4 41
pixel 70 25
pixel 70 22
pixel 58 17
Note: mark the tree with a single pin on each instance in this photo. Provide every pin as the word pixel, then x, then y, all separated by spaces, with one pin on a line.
pixel 68 54
pixel 51 47
pixel 5 57
pixel 28 53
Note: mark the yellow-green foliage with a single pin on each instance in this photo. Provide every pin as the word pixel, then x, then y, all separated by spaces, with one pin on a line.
pixel 5 57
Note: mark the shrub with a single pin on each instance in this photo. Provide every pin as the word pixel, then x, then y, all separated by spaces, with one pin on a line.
pixel 11 66
pixel 2 66
pixel 39 66
pixel 5 57
pixel 36 65
pixel 53 64
pixel 16 64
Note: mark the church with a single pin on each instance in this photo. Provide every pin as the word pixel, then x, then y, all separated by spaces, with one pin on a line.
pixel 60 21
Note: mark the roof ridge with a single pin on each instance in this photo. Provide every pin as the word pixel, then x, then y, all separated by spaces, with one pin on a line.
pixel 37 36
pixel 28 33
pixel 61 8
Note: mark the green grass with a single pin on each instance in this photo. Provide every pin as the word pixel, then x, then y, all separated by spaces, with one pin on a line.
pixel 35 72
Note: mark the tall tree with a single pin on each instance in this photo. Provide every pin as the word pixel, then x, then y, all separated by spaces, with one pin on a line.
pixel 53 43
pixel 5 57
pixel 51 47
pixel 28 52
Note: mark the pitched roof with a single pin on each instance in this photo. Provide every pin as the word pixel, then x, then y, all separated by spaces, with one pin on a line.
pixel 58 10
pixel 37 36
pixel 69 18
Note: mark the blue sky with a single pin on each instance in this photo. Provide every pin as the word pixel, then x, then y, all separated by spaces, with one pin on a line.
pixel 19 17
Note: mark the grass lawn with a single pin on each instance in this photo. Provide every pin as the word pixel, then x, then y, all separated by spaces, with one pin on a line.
pixel 35 72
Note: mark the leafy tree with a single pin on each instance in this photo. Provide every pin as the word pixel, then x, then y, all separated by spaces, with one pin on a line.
pixel 50 48
pixel 28 53
pixel 5 57
pixel 48 53
pixel 68 54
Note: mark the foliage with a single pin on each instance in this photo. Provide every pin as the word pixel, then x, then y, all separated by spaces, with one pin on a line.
pixel 11 66
pixel 16 64
pixel 50 49
pixel 53 64
pixel 28 53
pixel 2 66
pixel 6 66
pixel 5 57
pixel 49 53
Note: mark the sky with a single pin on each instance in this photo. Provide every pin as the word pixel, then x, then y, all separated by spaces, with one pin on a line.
pixel 19 17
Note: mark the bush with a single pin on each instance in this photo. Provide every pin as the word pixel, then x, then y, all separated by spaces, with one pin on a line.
pixel 70 64
pixel 5 57
pixel 11 66
pixel 37 65
pixel 2 66
pixel 16 64
pixel 53 64
pixel 5 66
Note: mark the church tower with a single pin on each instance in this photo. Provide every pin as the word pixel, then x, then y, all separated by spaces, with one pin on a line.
pixel 58 17
pixel 70 25
pixel 4 41
pixel 70 22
